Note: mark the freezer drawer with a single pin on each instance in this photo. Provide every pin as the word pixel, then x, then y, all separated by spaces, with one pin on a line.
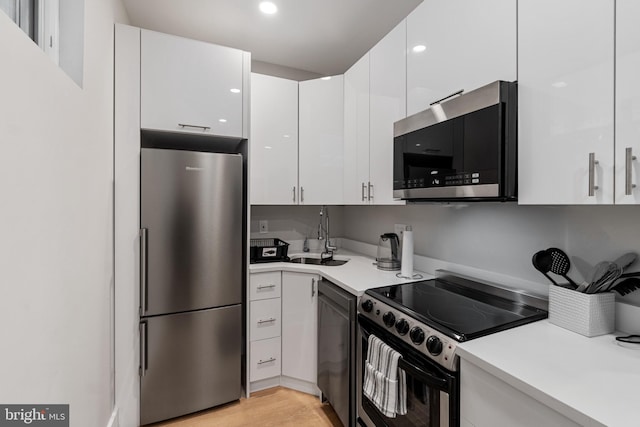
pixel 190 361
pixel 191 216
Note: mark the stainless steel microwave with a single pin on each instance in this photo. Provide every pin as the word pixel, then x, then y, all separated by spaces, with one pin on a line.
pixel 459 148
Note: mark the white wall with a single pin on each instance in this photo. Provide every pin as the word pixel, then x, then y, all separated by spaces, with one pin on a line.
pixel 294 222
pixel 502 237
pixel 56 251
pixel 495 237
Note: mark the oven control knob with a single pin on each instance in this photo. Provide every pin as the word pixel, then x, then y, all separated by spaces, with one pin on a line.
pixel 434 345
pixel 417 335
pixel 402 327
pixel 367 306
pixel 389 319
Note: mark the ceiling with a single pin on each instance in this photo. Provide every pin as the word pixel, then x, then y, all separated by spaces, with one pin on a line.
pixel 324 37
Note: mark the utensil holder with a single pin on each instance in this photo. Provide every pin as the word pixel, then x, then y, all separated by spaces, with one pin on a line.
pixel 586 314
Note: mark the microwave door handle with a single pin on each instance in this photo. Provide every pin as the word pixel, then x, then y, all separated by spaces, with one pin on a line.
pixel 447 97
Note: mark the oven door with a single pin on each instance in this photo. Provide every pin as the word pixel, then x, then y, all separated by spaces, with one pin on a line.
pixel 432 391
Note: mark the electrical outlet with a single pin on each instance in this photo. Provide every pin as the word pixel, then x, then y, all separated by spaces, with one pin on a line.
pixel 399 230
pixel 264 226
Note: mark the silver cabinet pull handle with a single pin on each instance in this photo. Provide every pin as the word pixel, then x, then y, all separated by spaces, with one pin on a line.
pixel 313 287
pixel 270 320
pixel 144 295
pixel 266 286
pixel 184 125
pixel 143 349
pixel 262 362
pixel 294 194
pixel 628 182
pixel 301 194
pixel 370 191
pixel 592 174
pixel 363 196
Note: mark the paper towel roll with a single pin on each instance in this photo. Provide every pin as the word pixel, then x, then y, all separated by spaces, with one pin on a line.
pixel 407 253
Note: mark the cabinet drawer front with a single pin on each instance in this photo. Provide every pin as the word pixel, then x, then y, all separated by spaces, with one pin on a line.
pixel 264 285
pixel 265 359
pixel 265 319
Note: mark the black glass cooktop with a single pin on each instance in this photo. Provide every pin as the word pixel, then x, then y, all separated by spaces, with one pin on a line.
pixel 457 311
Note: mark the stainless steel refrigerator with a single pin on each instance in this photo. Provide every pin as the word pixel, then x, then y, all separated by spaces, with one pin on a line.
pixel 191 281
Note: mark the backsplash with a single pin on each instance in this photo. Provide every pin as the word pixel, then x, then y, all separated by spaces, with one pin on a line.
pixel 498 237
pixel 294 222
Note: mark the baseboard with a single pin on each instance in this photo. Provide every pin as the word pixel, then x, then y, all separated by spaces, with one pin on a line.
pixel 303 386
pixel 263 384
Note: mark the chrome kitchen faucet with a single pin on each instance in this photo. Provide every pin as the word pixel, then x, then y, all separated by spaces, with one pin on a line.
pixel 323 234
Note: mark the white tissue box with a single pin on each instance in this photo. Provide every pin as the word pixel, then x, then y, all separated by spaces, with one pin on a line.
pixel 587 314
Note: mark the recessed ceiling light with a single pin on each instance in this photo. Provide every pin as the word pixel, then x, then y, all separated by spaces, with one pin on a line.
pixel 223 120
pixel 268 7
pixel 325 78
pixel 285 136
pixel 559 84
pixel 234 90
pixel 267 147
pixel 419 48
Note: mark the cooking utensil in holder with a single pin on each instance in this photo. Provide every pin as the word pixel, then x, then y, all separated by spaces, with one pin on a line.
pixel 586 314
pixel 268 250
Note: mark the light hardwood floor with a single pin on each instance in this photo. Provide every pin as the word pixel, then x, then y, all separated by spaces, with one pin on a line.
pixel 275 407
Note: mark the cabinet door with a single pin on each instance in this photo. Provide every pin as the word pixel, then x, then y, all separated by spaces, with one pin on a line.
pixel 192 83
pixel 274 140
pixel 356 133
pixel 321 134
pixel 300 326
pixel 468 44
pixel 627 102
pixel 387 105
pixel 565 100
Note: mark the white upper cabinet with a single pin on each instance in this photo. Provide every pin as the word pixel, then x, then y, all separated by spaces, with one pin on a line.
pixel 191 86
pixel 627 170
pixel 387 105
pixel 274 140
pixel 374 98
pixel 566 101
pixel 320 163
pixel 467 44
pixel 356 133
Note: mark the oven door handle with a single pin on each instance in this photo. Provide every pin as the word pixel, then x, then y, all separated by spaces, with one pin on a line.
pixel 440 383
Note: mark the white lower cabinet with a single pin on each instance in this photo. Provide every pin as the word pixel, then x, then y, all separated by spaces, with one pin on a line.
pixel 264 319
pixel 487 401
pixel 283 331
pixel 300 331
pixel 265 359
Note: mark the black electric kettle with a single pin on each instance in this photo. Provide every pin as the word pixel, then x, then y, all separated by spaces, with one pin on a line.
pixel 388 257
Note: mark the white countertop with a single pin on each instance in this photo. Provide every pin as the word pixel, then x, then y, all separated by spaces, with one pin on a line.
pixel 356 276
pixel 592 381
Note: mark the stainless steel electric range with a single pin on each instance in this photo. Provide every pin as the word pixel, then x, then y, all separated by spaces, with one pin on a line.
pixel 424 321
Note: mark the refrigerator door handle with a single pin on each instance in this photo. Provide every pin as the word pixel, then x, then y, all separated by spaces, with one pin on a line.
pixel 143 349
pixel 144 268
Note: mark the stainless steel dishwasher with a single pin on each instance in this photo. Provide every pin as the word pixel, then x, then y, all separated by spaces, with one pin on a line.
pixel 337 323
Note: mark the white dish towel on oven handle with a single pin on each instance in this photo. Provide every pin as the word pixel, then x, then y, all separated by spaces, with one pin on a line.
pixel 384 383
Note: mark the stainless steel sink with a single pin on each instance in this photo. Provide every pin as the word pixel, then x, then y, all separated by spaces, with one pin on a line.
pixel 318 261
